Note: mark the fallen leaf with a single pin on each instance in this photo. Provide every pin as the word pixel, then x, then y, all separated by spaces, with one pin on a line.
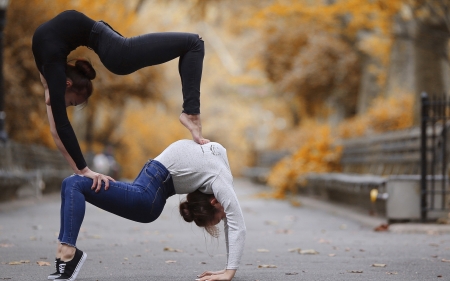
pixel 168 249
pixel 392 273
pixel 170 261
pixel 262 250
pixel 382 227
pixel 18 262
pixel 308 252
pixel 125 259
pixel 294 250
pixel 444 260
pixel 43 263
pixel 323 241
pixel 267 266
pixel 331 255
pixel 378 265
pixel 295 203
pixel 284 231
pixel 291 273
pixel 355 271
pixel 202 262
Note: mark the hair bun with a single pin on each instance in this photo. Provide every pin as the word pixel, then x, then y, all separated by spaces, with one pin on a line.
pixel 185 212
pixel 86 68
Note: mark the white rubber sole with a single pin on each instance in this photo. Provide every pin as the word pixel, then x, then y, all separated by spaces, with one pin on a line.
pixel 77 269
pixel 52 277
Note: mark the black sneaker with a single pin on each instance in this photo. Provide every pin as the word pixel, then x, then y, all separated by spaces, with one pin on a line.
pixel 69 270
pixel 57 273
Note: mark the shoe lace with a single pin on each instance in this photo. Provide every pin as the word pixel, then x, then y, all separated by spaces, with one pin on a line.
pixel 62 267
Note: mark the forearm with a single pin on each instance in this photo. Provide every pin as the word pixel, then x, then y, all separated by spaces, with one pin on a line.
pixel 55 136
pixel 64 152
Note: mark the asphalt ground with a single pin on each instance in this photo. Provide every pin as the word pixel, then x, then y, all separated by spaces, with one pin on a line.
pixel 337 243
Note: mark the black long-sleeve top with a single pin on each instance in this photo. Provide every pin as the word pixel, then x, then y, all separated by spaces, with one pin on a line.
pixel 52 43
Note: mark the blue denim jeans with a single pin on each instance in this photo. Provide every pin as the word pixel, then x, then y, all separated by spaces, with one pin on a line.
pixel 142 200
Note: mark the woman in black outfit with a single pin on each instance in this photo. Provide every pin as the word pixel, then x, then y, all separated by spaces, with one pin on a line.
pixel 66 84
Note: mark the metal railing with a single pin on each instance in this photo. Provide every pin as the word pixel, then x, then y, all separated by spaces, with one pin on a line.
pixel 435 117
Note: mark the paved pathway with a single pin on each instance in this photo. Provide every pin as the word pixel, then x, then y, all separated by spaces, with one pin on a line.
pixel 124 250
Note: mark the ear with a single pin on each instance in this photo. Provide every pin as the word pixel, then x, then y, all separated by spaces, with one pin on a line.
pixel 69 83
pixel 214 201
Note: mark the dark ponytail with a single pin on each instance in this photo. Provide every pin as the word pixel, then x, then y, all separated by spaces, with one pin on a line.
pixel 81 73
pixel 198 208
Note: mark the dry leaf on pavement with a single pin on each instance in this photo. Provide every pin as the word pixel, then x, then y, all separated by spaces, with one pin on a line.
pixel 294 250
pixel 378 265
pixel 267 266
pixel 43 263
pixel 170 261
pixel 18 262
pixel 392 273
pixel 323 241
pixel 168 249
pixel 444 260
pixel 355 271
pixel 262 250
pixel 382 227
pixel 308 252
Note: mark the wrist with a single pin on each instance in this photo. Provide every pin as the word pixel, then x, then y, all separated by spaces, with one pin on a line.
pixel 85 170
pixel 230 273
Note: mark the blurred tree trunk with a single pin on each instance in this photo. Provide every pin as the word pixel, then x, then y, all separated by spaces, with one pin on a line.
pixel 418 58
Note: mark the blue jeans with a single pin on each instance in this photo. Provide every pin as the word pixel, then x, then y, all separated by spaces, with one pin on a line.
pixel 141 201
pixel 124 55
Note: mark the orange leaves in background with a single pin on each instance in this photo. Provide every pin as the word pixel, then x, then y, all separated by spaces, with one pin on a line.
pixel 317 153
pixel 144 134
pixel 385 114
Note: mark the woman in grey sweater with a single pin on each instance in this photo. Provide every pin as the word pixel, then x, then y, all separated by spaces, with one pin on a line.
pixel 185 167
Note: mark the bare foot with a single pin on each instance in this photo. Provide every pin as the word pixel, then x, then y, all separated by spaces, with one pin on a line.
pixel 194 125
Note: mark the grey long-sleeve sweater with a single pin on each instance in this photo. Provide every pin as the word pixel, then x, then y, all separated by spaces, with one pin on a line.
pixel 206 168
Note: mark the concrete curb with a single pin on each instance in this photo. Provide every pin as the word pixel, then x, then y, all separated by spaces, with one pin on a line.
pixel 371 221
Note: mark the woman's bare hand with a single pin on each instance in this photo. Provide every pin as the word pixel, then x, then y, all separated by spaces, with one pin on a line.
pixel 221 275
pixel 97 179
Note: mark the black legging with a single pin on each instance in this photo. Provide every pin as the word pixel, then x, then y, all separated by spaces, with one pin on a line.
pixel 122 56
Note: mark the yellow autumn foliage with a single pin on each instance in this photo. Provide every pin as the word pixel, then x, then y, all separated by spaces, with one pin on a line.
pixel 318 151
pixel 385 114
pixel 146 131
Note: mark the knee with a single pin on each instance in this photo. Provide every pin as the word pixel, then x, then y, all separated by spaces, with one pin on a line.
pixel 197 42
pixel 72 182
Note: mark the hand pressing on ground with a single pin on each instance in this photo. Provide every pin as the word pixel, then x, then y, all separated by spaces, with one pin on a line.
pixel 221 275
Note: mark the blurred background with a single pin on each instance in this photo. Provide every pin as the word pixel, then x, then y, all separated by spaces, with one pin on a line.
pixel 293 76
